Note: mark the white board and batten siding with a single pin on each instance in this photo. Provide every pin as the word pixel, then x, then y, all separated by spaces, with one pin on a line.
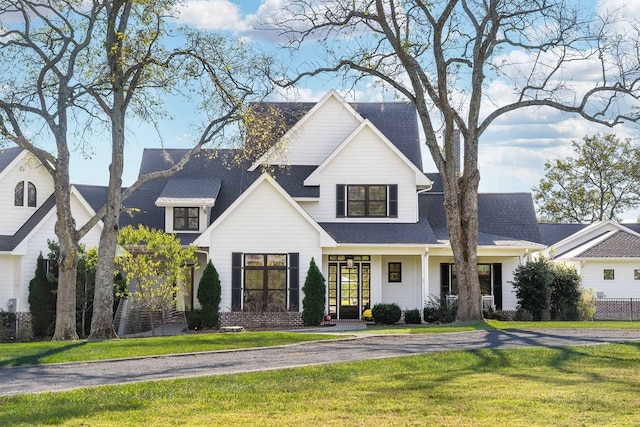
pixel 315 138
pixel 25 169
pixel 365 160
pixel 263 223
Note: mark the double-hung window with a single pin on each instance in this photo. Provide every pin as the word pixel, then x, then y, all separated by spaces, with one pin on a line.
pixel 366 201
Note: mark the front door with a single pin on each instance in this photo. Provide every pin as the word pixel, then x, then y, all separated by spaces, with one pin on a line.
pixel 349 286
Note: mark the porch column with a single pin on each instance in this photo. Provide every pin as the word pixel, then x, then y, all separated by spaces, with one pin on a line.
pixel 425 280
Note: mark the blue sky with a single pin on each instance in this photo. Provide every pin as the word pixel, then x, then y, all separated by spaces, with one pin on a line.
pixel 512 152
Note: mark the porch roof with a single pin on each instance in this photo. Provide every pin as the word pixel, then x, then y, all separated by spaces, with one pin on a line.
pixel 381 233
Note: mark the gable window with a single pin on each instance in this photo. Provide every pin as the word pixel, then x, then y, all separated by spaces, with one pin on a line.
pixel 186 219
pixel 609 274
pixel 32 195
pixel 366 201
pixel 18 194
pixel 395 272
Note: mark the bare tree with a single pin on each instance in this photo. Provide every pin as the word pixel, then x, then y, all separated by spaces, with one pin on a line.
pixel 443 55
pixel 105 62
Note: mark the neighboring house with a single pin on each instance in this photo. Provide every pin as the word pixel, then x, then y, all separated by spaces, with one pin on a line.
pixel 27 221
pixel 605 254
pixel 347 190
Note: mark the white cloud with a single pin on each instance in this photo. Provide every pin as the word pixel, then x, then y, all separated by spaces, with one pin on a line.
pixel 213 15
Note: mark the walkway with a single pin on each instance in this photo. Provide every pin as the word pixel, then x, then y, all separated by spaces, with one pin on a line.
pixel 56 377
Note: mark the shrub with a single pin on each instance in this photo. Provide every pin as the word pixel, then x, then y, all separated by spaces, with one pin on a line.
pixel 209 297
pixel 194 319
pixel 495 314
pixel 387 314
pixel 532 283
pixel 587 304
pixel 314 296
pixel 42 301
pixel 565 293
pixel 440 310
pixel 412 317
pixel 7 326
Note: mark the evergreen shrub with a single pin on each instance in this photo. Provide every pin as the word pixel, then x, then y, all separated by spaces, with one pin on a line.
pixel 209 295
pixel 412 317
pixel 387 314
pixel 313 303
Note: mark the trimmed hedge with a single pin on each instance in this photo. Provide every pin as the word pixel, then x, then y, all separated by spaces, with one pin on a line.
pixel 387 314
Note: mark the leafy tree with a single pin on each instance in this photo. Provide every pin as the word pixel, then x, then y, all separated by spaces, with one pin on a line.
pixel 42 301
pixel 565 293
pixel 532 283
pixel 153 264
pixel 313 303
pixel 600 182
pixel 209 293
pixel 76 67
pixel 442 56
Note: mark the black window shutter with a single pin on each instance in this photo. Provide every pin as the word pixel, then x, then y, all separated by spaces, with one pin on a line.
pixel 340 202
pixel 497 285
pixel 236 281
pixel 393 201
pixel 294 281
pixel 444 279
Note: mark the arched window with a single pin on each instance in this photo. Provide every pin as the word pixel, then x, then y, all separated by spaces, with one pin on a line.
pixel 18 194
pixel 32 195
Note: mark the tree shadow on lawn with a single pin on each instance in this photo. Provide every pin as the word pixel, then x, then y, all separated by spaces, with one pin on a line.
pixel 37 357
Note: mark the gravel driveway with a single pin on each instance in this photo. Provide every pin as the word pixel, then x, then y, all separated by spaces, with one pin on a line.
pixel 66 376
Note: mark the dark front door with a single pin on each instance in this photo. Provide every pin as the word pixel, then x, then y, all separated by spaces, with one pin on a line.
pixel 349 290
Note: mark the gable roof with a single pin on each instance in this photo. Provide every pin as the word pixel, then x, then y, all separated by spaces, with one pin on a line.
pixel 619 244
pixel 190 191
pixel 421 178
pixel 264 177
pixel 397 121
pixel 8 155
pixel 9 243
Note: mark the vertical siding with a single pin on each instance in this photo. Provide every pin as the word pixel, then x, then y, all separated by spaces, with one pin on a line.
pixel 366 160
pixel 264 223
pixel 29 170
pixel 318 136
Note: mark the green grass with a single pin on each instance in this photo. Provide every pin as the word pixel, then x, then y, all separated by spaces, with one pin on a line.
pixel 572 386
pixel 16 354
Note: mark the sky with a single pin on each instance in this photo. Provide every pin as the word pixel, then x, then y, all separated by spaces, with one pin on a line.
pixel 512 151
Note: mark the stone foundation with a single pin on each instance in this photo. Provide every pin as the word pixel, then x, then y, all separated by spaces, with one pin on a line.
pixel 265 320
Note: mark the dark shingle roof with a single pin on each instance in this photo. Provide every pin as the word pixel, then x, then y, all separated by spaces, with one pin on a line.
pixel 553 233
pixel 7 155
pixel 506 216
pixel 381 233
pixel 619 245
pixel 398 121
pixel 191 188
pixel 95 195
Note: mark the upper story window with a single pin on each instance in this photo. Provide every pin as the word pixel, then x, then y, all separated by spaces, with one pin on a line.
pixel 367 201
pixel 32 195
pixel 186 219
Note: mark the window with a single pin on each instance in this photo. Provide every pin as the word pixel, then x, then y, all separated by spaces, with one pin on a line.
pixel 636 274
pixel 609 274
pixel 395 272
pixel 186 219
pixel 31 195
pixel 265 282
pixel 489 276
pixel 18 194
pixel 366 201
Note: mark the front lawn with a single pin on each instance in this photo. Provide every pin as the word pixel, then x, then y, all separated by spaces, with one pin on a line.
pixel 573 386
pixel 37 353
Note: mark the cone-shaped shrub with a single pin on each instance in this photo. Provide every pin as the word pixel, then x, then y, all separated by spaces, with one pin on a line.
pixel 209 296
pixel 42 301
pixel 313 303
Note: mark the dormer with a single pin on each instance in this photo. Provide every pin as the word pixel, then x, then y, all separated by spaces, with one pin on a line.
pixel 188 204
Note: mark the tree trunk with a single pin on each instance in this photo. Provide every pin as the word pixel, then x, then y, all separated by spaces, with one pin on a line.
pixel 66 300
pixel 461 207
